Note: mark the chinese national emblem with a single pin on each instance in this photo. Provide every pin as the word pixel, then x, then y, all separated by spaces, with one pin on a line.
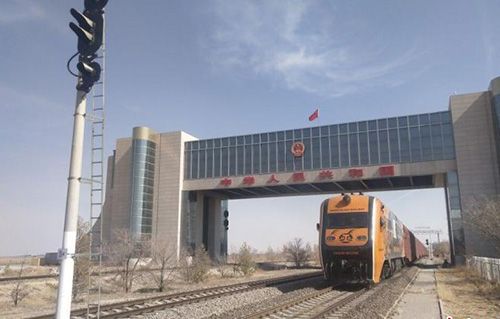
pixel 298 149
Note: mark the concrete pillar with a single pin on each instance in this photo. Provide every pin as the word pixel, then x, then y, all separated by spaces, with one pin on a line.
pixel 203 216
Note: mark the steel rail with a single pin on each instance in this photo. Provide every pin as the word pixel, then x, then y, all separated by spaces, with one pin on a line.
pixel 125 309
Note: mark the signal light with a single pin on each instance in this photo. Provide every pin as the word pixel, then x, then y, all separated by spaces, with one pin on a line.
pixel 226 221
pixel 90 72
pixel 89 31
pixel 427 242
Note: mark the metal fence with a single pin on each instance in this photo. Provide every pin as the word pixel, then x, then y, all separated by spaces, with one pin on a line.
pixel 487 268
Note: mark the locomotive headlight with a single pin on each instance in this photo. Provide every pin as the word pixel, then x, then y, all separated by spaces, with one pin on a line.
pixel 361 237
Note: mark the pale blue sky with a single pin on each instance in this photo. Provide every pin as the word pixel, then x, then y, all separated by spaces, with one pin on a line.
pixel 218 68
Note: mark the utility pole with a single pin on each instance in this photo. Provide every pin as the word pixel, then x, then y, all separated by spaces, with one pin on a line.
pixel 89 32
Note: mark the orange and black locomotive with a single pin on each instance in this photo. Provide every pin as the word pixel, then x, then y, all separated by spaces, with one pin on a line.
pixel 361 239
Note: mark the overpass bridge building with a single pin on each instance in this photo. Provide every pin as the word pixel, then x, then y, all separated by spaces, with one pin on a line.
pixel 175 187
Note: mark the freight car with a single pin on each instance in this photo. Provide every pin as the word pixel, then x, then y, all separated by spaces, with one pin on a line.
pixel 361 239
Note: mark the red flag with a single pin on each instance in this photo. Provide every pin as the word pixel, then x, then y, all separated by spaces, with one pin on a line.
pixel 314 116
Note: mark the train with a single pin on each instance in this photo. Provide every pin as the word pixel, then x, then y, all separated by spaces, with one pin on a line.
pixel 361 239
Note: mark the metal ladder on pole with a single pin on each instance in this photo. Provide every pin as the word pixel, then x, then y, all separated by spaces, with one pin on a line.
pixel 97 187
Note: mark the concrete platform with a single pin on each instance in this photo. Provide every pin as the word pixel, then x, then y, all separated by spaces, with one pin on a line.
pixel 420 300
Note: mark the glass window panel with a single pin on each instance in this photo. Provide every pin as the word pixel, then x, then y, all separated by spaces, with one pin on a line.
pixel 187 161
pixel 394 145
pixel 225 164
pixel 187 146
pixel 435 118
pixel 248 159
pixel 210 143
pixel 445 117
pixel 289 156
pixel 225 141
pixel 306 132
pixel 315 131
pixel 217 163
pixel 404 145
pixel 372 125
pixel 353 147
pixel 195 145
pixel 210 162
pixel 256 159
pixel 413 120
pixel 297 134
pixel 373 145
pixel 402 121
pixel 353 127
pixel 334 129
pixel 306 157
pixel 393 122
pixel 281 156
pixel 362 126
pixel 425 133
pixel 263 137
pixel 203 144
pixel 437 141
pixel 194 165
pixel 363 148
pixel 272 157
pixel 424 119
pixel 217 142
pixel 343 128
pixel 272 137
pixel 298 163
pixel 383 140
pixel 382 123
pixel 324 131
pixel 264 158
pixel 334 151
pixel 325 152
pixel 415 144
pixel 255 138
pixel 344 151
pixel 240 140
pixel 289 135
pixel 281 136
pixel 240 154
pixel 316 153
pixel 448 145
pixel 248 139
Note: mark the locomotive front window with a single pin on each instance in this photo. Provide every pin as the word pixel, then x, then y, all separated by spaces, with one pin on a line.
pixel 348 220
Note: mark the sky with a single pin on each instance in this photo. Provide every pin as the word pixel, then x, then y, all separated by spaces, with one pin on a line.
pixel 220 68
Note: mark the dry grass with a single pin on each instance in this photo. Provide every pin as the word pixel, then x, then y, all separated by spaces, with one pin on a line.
pixel 464 294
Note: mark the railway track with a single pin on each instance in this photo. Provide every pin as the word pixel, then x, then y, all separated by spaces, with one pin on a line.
pixel 131 308
pixel 319 304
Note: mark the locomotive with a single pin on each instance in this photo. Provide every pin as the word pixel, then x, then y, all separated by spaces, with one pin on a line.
pixel 361 239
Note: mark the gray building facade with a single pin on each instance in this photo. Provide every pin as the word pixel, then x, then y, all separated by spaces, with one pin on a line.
pixel 175 187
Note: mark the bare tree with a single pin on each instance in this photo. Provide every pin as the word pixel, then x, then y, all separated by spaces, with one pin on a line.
pixel 194 266
pixel 82 258
pixel 245 260
pixel 20 290
pixel 482 213
pixel 271 255
pixel 441 249
pixel 315 254
pixel 201 264
pixel 295 251
pixel 126 252
pixel 163 258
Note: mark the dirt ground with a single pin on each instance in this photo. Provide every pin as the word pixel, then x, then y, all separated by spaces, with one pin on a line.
pixel 42 293
pixel 465 295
